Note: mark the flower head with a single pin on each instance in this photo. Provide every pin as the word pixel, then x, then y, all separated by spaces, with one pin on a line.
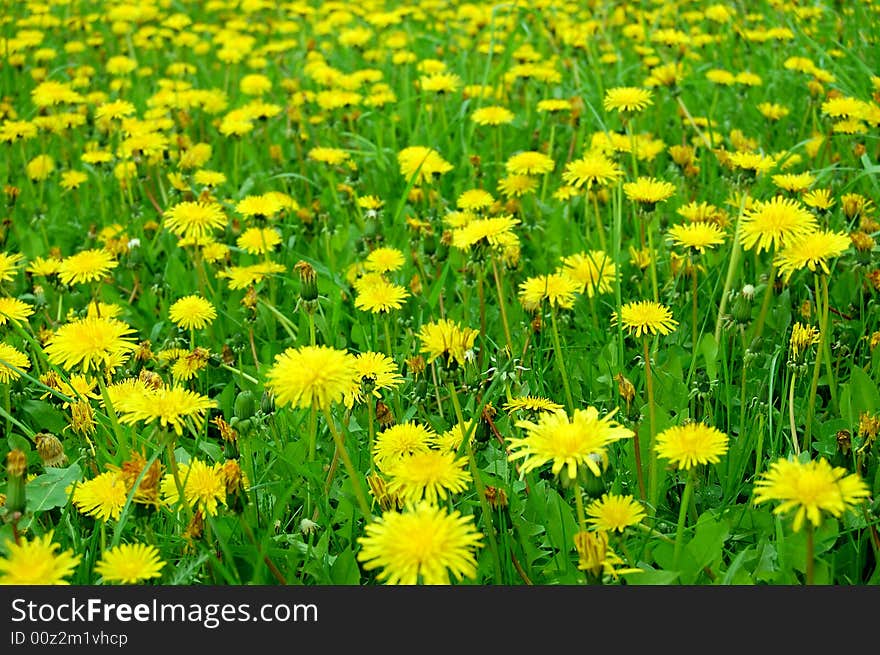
pixel 430 475
pixel 399 441
pixel 10 359
pixel 648 191
pixel 312 376
pixel 194 219
pixel 192 312
pixel 169 406
pixel 696 236
pixel 86 266
pixel 375 371
pixel 594 168
pixel 593 271
pixel 811 251
pixel 380 296
pixel 425 544
pixel 627 99
pixel 258 240
pixel 35 562
pixel 529 162
pixel 102 497
pixel 645 317
pixel 203 485
pixel 446 339
pixel 556 288
pixel 567 442
pixel 613 512
pixel 90 342
pixel 130 564
pixel 423 163
pixel 774 223
pixel 691 444
pixel 809 488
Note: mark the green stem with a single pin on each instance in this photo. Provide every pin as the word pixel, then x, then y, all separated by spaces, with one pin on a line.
pixel 560 359
pixel 653 461
pixel 121 438
pixel 765 305
pixel 349 467
pixel 822 308
pixel 313 433
pixel 682 515
pixel 733 263
pixel 502 305
pixel 579 505
pixel 811 559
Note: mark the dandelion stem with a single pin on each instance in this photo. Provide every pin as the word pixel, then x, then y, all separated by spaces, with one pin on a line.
pixel 682 515
pixel 822 308
pixel 244 375
pixel 579 505
pixel 502 306
pixel 765 305
pixel 349 467
pixel 811 560
pixel 313 433
pixel 653 473
pixel 732 266
pixel 121 439
pixel 792 422
pixel 560 359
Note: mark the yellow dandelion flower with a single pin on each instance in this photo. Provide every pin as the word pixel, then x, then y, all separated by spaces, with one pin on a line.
pixel 258 240
pixel 35 562
pixel 613 512
pixel 90 342
pixel 594 168
pixel 593 271
pixel 809 489
pixel 13 309
pixel 645 317
pixel 447 340
pixel 529 162
pixel 697 236
pixel 192 313
pixel 774 223
pixel 627 99
pixel 399 441
pixel 312 376
pixel 425 544
pixel 811 251
pixel 102 497
pixel 380 296
pixel 556 288
pixel 194 219
pixel 170 407
pixel 204 486
pixel 86 266
pixel 10 360
pixel 691 444
pixel 431 475
pixel 567 442
pixel 130 564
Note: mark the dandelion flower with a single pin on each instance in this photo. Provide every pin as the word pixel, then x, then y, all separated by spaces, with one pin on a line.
pixel 399 441
pixel 557 288
pixel 86 266
pixel 13 309
pixel 594 168
pixel 593 271
pixel 645 317
pixel 529 163
pixel 627 99
pixel 35 562
pixel 430 475
pixel 258 240
pixel 474 200
pixel 194 219
pixel 384 260
pixel 11 359
pixel 130 564
pixel 531 404
pixel 811 251
pixel 423 163
pixel 380 296
pixel 809 489
pixel 192 313
pixel 774 224
pixel 802 337
pixel 446 339
pixel 567 442
pixel 492 115
pixel 425 544
pixel 375 372
pixel 495 233
pixel 102 497
pixel 691 444
pixel 697 236
pixel 312 376
pixel 169 406
pixel 90 342
pixel 204 486
pixel 613 512
pixel 648 191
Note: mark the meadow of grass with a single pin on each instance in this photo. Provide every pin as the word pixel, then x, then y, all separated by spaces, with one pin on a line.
pixel 526 293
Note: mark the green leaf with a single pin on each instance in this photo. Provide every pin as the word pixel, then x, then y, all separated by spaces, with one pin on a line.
pixel 649 576
pixel 49 490
pixel 344 570
pixel 42 414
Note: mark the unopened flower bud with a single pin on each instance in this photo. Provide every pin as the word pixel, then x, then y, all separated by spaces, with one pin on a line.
pixel 16 474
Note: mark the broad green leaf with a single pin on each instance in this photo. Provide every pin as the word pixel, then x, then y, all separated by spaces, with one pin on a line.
pixel 50 490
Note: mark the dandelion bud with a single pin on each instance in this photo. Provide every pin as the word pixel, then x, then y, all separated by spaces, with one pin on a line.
pixel 16 474
pixel 309 281
pixel 50 450
pixel 267 402
pixel 741 310
pixel 244 406
pixel 625 388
